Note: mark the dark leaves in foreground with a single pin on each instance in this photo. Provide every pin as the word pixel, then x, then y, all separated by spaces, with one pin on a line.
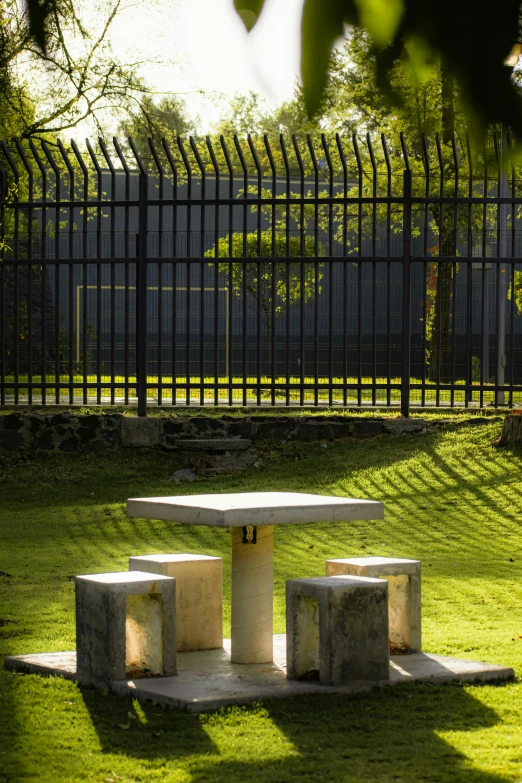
pixel 472 39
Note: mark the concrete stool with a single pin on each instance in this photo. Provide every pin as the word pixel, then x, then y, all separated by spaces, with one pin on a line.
pixel 125 625
pixel 199 596
pixel 337 629
pixel 404 594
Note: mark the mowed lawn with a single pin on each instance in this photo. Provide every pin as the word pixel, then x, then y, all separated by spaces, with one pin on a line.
pixel 451 499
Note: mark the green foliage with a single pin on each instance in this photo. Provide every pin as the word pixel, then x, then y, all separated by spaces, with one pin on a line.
pixel 272 285
pixel 166 119
pixel 71 74
pixel 518 290
pixel 249 10
pixel 354 102
pixel 421 33
pixel 249 114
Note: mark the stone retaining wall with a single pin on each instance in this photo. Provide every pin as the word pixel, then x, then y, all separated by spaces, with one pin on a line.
pixel 68 432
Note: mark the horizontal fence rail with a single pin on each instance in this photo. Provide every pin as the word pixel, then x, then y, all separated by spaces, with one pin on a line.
pixel 259 271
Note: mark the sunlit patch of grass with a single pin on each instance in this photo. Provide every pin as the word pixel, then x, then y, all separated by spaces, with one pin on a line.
pixel 263 390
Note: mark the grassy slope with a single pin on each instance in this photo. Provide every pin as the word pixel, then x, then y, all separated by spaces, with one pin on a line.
pixel 451 500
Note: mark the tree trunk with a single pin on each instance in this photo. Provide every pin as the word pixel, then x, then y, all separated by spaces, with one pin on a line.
pixel 440 354
pixel 448 104
pixel 512 430
pixel 268 327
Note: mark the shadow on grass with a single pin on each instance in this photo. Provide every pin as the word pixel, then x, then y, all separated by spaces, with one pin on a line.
pixel 144 731
pixel 389 735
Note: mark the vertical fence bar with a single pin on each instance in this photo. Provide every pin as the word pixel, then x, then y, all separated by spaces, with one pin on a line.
pixel 99 271
pixel 374 268
pixel 302 251
pixel 159 320
pixel 344 365
pixel 229 267
pixel 502 252
pixel 427 190
pixel 454 244
pixel 85 215
pixel 329 166
pixel 29 171
pixel 286 284
pixel 202 224
pixel 3 198
pixel 468 397
pixel 188 265
pixel 70 286
pixel 360 176
pixel 255 158
pixel 440 274
pixel 15 268
pixel 141 297
pixel 43 235
pixel 126 283
pixel 56 231
pixel 174 333
pixel 484 322
pixel 406 295
pixel 271 337
pixel 287 267
pixel 316 267
pixel 512 280
pixel 244 272
pixel 113 270
pixel 216 268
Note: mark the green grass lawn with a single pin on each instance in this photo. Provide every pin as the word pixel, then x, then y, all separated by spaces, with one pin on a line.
pixel 175 389
pixel 451 500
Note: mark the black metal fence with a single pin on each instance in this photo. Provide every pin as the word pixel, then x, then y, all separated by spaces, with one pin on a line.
pixel 332 272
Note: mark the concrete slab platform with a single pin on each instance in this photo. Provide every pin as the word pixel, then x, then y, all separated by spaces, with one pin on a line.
pixel 207 680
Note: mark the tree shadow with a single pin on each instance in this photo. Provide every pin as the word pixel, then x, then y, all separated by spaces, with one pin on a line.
pixel 388 735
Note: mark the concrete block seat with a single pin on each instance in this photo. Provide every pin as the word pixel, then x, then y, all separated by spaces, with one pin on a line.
pixel 125 625
pixel 199 596
pixel 404 594
pixel 337 629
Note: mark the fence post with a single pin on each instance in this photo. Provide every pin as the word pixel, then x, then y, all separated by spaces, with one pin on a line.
pixel 406 295
pixel 141 298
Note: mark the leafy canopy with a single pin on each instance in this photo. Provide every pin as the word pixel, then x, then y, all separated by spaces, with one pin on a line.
pixel 472 39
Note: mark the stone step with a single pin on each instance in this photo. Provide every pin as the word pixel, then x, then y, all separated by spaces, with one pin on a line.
pixel 213 444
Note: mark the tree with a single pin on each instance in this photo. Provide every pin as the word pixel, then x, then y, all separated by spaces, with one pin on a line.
pixel 473 40
pixel 272 286
pixel 354 102
pixel 244 114
pixel 75 77
pixel 166 119
pixel 18 110
pixel 249 114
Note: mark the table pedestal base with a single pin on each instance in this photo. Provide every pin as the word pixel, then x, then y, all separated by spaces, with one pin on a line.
pixel 252 595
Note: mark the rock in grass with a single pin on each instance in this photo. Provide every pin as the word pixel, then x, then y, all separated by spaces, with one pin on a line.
pixel 183 475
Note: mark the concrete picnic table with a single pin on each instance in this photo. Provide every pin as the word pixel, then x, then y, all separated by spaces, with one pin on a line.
pixel 252 515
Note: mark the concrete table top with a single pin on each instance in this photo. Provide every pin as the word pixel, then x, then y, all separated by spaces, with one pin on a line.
pixel 254 508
